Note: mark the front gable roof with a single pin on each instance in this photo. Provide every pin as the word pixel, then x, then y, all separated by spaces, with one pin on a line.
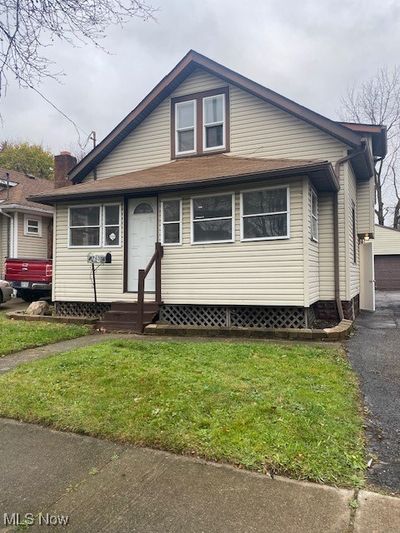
pixel 180 72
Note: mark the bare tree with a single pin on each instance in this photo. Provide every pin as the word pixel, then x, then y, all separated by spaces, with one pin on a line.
pixel 377 101
pixel 28 27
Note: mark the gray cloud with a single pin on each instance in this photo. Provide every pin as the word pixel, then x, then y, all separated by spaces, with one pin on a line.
pixel 309 51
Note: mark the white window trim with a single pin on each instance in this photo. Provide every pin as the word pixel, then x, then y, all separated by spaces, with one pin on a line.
pixel 314 217
pixel 179 243
pixel 177 130
pixel 104 225
pixel 38 219
pixel 192 221
pixel 101 227
pixel 223 145
pixel 287 212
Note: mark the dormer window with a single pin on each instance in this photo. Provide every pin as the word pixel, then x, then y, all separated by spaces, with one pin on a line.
pixel 214 122
pixel 185 127
pixel 200 123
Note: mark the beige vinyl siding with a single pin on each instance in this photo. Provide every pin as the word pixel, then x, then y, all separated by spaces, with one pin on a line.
pixel 240 273
pixel 258 129
pixel 32 246
pixel 353 268
pixel 312 247
pixel 387 241
pixel 252 273
pixel 326 246
pixel 73 272
pixel 4 232
pixel 365 206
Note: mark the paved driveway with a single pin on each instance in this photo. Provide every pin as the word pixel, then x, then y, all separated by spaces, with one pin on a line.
pixel 374 352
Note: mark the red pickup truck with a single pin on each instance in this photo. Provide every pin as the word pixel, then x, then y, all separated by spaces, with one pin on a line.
pixel 31 278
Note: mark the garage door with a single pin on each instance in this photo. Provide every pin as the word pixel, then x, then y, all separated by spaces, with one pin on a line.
pixel 387 272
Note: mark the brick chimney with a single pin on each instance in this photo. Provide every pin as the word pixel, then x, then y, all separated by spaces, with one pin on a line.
pixel 63 163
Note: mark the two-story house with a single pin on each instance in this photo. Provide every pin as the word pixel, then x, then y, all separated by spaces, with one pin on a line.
pixel 262 208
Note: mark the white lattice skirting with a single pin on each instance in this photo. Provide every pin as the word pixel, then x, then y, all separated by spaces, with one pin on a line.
pixel 240 316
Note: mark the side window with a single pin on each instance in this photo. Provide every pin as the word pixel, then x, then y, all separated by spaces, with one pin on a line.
pixel 171 213
pixel 314 216
pixel 32 226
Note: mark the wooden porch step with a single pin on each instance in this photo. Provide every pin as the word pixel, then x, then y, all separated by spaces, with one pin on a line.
pixel 123 316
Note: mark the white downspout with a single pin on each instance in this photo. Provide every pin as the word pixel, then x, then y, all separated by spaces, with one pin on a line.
pixel 10 247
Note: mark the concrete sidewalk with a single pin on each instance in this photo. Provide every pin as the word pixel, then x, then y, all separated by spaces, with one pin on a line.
pixel 103 486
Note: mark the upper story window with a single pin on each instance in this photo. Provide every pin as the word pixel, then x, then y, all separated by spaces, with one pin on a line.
pixel 200 123
pixel 214 122
pixel 185 130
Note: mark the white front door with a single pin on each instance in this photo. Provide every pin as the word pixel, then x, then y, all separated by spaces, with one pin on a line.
pixel 367 277
pixel 142 236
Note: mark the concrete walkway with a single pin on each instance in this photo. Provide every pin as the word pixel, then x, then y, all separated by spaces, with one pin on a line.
pixel 105 487
pixel 374 353
pixel 8 362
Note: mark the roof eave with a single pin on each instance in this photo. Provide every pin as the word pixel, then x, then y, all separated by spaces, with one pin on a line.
pixel 317 172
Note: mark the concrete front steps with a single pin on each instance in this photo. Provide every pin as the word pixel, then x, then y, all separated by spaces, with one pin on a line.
pixel 123 316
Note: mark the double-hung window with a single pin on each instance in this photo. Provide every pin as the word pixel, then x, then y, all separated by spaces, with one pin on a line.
pixel 265 214
pixel 94 225
pixel 212 219
pixel 314 216
pixel 200 123
pixel 32 226
pixel 171 217
pixel 185 132
pixel 214 122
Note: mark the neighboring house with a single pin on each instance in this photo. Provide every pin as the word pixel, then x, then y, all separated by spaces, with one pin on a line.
pixel 387 258
pixel 264 208
pixel 25 226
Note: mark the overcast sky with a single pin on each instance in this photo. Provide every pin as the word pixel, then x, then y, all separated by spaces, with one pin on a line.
pixel 309 51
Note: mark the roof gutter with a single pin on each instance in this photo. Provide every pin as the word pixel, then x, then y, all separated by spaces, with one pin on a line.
pixel 25 208
pixel 338 165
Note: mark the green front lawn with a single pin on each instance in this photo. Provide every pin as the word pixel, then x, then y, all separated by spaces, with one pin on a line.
pixel 16 335
pixel 290 408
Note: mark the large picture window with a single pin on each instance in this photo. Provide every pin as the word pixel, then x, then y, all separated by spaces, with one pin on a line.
pixel 265 214
pixel 171 213
pixel 94 225
pixel 212 218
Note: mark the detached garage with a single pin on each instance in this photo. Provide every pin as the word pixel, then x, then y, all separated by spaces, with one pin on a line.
pixel 387 258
